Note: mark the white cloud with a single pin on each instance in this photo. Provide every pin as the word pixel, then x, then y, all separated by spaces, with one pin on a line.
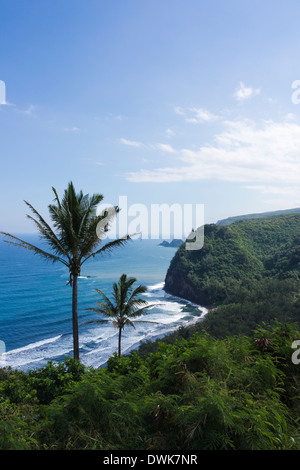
pixel 131 143
pixel 201 115
pixel 244 93
pixel 245 152
pixel 166 148
pixel 195 115
pixel 180 111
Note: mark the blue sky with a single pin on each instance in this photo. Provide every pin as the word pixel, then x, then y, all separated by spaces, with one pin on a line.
pixel 165 101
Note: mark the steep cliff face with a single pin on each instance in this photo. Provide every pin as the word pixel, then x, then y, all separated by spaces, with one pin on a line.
pixel 176 283
pixel 231 255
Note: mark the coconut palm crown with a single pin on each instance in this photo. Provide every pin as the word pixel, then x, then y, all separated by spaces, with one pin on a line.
pixel 75 237
pixel 124 307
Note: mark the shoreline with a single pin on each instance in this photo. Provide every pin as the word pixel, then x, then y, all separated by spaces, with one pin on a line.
pixel 164 330
pixel 155 337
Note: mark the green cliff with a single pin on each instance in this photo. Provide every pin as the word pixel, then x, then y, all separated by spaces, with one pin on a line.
pixel 247 250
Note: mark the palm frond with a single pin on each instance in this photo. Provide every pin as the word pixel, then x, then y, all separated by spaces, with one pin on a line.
pixel 63 224
pixel 140 311
pixel 95 309
pixel 65 216
pixel 121 290
pixel 89 240
pixel 56 197
pixel 106 300
pixel 50 238
pixel 108 248
pixel 128 322
pixel 133 302
pixel 139 290
pixel 87 208
pixel 42 221
pixel 103 311
pixel 35 249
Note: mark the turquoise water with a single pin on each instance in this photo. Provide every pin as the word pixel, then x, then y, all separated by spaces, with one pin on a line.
pixel 35 304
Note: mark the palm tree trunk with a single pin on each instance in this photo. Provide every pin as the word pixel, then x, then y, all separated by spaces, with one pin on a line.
pixel 75 317
pixel 120 332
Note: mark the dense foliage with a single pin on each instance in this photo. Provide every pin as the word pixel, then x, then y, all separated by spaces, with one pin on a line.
pixel 201 393
pixel 248 271
pixel 253 249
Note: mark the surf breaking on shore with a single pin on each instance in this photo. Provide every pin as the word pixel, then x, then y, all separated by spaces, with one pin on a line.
pixel 98 343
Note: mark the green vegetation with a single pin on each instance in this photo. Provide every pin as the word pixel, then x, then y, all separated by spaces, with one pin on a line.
pixel 228 382
pixel 232 256
pixel 248 271
pixel 196 394
pixel 78 231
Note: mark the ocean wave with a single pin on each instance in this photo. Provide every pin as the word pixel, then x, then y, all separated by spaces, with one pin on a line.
pixel 33 353
pixel 155 287
pixel 98 343
pixel 31 346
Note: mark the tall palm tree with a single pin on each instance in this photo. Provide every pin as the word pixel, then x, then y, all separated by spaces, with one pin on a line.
pixel 125 306
pixel 75 237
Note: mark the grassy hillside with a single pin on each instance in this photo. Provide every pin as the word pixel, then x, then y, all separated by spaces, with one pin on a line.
pixel 197 394
pixel 237 260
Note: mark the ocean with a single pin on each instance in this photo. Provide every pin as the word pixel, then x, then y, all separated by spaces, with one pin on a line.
pixel 36 310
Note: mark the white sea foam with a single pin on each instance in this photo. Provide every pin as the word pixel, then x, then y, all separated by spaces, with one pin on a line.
pixel 98 343
pixel 158 286
pixel 30 346
pixel 34 353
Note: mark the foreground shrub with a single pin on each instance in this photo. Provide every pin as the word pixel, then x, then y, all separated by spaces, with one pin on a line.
pixel 238 393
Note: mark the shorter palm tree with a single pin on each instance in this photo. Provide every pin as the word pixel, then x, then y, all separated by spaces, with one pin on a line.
pixel 125 306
